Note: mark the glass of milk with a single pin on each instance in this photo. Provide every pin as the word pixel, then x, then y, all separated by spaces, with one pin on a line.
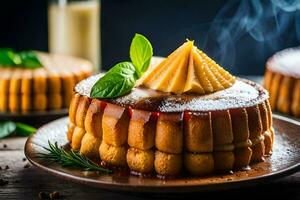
pixel 74 29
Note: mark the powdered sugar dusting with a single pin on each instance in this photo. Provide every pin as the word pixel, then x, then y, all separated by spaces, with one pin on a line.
pixel 242 94
pixel 286 62
pixel 84 87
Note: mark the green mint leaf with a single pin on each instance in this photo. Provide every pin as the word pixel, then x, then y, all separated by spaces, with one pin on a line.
pixel 24 59
pixel 24 129
pixel 7 128
pixel 140 53
pixel 9 58
pixel 30 60
pixel 121 78
pixel 118 81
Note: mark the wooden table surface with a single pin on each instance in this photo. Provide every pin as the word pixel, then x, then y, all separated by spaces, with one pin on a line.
pixel 26 182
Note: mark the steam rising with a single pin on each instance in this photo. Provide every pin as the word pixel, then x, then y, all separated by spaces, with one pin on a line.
pixel 265 21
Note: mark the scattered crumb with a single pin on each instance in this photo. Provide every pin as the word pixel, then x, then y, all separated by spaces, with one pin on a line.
pixel 24 159
pixel 54 195
pixel 43 195
pixel 3 182
pixel 6 167
pixel 4 146
pixel 27 165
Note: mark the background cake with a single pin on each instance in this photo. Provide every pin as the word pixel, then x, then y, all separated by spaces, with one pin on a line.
pixel 282 79
pixel 45 88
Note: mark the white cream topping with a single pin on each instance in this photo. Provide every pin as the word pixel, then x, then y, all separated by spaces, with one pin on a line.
pixel 286 62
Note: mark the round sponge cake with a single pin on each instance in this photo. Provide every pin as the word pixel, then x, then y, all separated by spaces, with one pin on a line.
pixel 282 79
pixel 152 132
pixel 47 88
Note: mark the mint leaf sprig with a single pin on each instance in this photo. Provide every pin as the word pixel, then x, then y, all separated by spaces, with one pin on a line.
pixel 24 59
pixel 8 128
pixel 121 78
pixel 70 159
pixel 141 52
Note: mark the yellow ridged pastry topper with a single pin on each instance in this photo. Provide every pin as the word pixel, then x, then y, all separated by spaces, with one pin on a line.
pixel 187 69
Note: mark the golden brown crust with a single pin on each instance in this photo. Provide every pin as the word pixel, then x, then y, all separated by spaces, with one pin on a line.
pixel 254 122
pixel 295 107
pixel 93 119
pixel 274 90
pixel 199 164
pixel 70 131
pixel 54 101
pixel 285 94
pixel 26 82
pixel 242 157
pixel 169 126
pixel 40 81
pixel 141 131
pixel 268 79
pixel 269 111
pixel 115 123
pixel 224 160
pixel 140 160
pixel 167 164
pixel 111 155
pixel 264 116
pixel 4 88
pixel 53 82
pixel 198 133
pixel 3 102
pixel 222 128
pixel 39 102
pixel 13 103
pixel 90 145
pixel 258 152
pixel 81 111
pixel 73 107
pixel 77 137
pixel 68 81
pixel 170 141
pixel 240 128
pixel 268 142
pixel 14 91
pixel 26 102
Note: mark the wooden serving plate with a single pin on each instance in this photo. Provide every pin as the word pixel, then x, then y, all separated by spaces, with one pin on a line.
pixel 285 160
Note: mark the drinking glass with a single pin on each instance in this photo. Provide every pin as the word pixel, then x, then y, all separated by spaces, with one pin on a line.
pixel 74 29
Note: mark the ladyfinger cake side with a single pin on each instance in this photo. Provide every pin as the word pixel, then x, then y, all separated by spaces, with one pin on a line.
pixel 282 80
pixel 45 88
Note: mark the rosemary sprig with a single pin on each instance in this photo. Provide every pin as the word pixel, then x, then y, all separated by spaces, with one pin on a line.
pixel 70 159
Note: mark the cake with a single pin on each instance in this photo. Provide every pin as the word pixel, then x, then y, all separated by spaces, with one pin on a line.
pixel 186 115
pixel 46 88
pixel 282 80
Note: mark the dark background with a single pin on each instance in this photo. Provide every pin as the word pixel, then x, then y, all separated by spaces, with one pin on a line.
pixel 242 44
